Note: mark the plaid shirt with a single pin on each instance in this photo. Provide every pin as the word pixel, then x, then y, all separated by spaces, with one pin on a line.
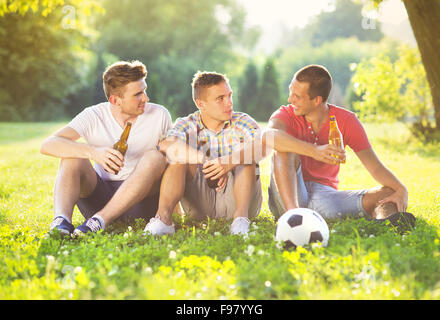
pixel 240 129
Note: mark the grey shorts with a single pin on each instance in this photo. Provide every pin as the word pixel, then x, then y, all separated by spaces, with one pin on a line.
pixel 200 201
pixel 102 194
pixel 329 202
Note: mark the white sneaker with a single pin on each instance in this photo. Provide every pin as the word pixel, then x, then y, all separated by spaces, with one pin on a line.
pixel 240 225
pixel 157 227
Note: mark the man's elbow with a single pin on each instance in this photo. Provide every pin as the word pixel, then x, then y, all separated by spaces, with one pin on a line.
pixel 163 145
pixel 45 146
pixel 268 138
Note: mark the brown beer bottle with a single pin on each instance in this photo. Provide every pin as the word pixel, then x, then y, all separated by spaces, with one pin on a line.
pixel 335 136
pixel 121 145
pixel 211 183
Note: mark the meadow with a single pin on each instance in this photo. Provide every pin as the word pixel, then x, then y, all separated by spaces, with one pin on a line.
pixel 202 260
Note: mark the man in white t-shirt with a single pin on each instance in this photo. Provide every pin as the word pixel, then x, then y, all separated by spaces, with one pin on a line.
pixel 117 186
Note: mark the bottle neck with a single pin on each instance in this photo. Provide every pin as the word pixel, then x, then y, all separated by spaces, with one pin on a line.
pixel 333 123
pixel 124 136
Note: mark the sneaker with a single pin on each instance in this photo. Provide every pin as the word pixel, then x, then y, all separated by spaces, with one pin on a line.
pixel 90 225
pixel 240 225
pixel 403 221
pixel 157 227
pixel 62 225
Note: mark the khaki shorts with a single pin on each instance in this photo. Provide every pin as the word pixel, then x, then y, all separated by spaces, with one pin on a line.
pixel 200 201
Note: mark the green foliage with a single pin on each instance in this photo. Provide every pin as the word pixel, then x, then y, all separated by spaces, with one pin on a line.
pixel 380 88
pixel 268 93
pixel 248 89
pixel 392 90
pixel 43 57
pixel 173 76
pixel 336 56
pixel 24 6
pixel 344 21
pixel 54 52
pixel 46 7
pixel 202 260
pixel 174 39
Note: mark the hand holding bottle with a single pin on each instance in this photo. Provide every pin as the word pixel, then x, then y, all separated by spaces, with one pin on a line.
pixel 110 159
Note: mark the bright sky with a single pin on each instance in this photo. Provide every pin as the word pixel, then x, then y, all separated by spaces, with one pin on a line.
pixel 296 13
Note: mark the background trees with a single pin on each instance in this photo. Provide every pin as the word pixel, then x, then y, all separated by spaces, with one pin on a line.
pixel 398 91
pixel 424 17
pixel 344 22
pixel 174 39
pixel 43 58
pixel 53 53
pixel 248 88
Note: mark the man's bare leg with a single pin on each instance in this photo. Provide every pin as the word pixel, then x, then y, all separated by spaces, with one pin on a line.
pixel 172 189
pixel 285 167
pixel 375 210
pixel 76 178
pixel 244 188
pixel 144 180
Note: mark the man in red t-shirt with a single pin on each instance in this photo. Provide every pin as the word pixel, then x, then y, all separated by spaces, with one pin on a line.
pixel 304 173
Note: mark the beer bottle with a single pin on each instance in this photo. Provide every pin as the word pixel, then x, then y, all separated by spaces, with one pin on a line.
pixel 211 183
pixel 335 136
pixel 121 145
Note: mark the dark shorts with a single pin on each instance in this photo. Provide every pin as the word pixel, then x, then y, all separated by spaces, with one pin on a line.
pixel 104 191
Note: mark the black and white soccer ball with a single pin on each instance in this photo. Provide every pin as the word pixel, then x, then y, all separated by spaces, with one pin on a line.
pixel 301 226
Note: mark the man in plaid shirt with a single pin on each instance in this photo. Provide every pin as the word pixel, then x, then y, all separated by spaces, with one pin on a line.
pixel 215 131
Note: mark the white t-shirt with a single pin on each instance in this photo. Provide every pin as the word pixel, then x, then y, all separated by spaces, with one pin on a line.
pixel 99 128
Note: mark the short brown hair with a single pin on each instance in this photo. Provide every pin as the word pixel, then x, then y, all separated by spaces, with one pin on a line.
pixel 119 74
pixel 203 80
pixel 319 80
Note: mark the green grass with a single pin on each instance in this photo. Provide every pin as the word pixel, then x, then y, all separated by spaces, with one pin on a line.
pixel 202 261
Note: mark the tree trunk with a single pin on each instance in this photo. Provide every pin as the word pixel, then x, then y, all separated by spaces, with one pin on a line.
pixel 424 16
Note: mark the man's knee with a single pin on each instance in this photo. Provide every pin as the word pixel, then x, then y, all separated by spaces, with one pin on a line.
pixel 153 159
pixel 282 159
pixel 178 171
pixel 81 167
pixel 72 168
pixel 247 168
pixel 154 156
pixel 371 199
pixel 71 163
pixel 386 191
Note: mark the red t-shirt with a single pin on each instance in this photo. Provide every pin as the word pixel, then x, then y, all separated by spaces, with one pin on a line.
pixel 353 134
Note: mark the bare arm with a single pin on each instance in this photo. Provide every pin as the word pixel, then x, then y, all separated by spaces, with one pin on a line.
pixel 275 138
pixel 63 144
pixel 248 153
pixel 285 163
pixel 284 169
pixel 385 177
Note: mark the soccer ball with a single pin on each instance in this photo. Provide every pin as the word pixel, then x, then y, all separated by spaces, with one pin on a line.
pixel 301 226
